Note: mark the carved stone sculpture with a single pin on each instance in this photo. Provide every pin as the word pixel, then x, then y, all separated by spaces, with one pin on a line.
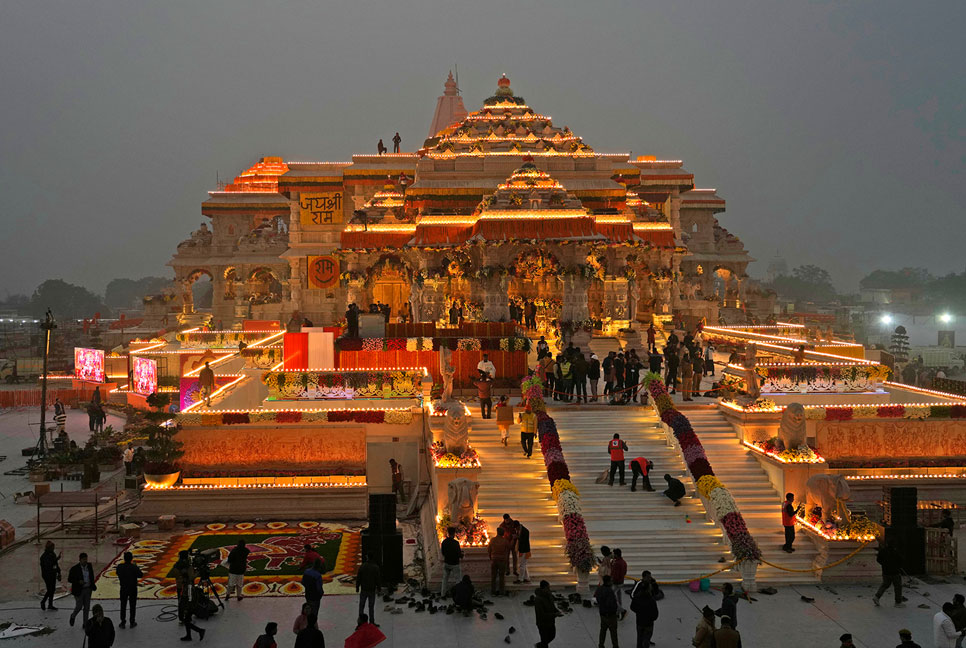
pixel 456 429
pixel 416 301
pixel 461 504
pixel 633 293
pixel 447 371
pixel 831 492
pixel 791 430
pixel 751 378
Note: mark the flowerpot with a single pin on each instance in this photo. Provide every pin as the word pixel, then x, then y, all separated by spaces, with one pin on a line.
pixel 583 577
pixel 37 475
pixel 163 481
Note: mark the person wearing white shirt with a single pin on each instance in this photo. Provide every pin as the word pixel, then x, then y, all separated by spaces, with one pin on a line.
pixel 487 366
pixel 944 633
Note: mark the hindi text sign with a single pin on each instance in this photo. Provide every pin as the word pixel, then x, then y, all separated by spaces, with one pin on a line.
pixel 317 210
pixel 323 271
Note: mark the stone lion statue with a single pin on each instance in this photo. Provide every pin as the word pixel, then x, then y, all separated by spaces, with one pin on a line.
pixel 461 503
pixel 791 430
pixel 456 428
pixel 831 492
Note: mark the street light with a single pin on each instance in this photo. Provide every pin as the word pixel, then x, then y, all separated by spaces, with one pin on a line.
pixel 886 319
pixel 945 318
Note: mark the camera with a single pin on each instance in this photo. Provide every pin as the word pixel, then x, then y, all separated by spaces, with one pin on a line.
pixel 201 561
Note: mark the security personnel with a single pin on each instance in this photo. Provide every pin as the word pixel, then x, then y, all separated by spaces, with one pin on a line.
pixel 616 449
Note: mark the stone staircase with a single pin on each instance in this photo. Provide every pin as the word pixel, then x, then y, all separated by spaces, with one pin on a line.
pixel 757 500
pixel 511 483
pixel 674 543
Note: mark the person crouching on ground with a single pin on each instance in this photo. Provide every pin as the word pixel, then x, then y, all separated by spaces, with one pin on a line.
pixel 675 489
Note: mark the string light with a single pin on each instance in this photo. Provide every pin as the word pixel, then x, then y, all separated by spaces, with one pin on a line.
pixel 961 475
pixel 361 483
pixel 777 457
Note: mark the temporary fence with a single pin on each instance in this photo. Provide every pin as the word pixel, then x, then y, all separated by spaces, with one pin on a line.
pixel 31 397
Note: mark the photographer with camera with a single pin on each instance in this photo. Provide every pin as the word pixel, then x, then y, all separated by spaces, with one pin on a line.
pixel 184 575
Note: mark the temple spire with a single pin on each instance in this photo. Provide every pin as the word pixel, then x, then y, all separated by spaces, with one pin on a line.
pixel 449 107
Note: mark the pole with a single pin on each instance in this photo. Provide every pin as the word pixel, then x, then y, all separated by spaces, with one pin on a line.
pixel 47 325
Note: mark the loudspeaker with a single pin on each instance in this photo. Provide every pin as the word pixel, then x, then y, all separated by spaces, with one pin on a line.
pixel 902 507
pixel 382 513
pixel 387 550
pixel 910 542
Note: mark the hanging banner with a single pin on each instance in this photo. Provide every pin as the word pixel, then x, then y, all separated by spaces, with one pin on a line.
pixel 317 210
pixel 323 271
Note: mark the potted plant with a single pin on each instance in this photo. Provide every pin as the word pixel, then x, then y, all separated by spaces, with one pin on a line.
pixel 109 458
pixel 161 458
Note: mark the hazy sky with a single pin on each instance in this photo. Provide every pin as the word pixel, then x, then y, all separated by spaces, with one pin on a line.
pixel 836 131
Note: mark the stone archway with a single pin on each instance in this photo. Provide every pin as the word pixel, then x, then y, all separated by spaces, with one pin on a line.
pixel 390 282
pixel 197 290
pixel 535 276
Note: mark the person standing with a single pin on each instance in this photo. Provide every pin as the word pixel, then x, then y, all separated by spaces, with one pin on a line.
pixel 309 558
pixel 958 614
pixel 548 368
pixel 726 636
pixel 729 605
pixel 395 142
pixel 128 575
pixel 616 449
pixel 675 489
pixel 504 419
pixel 60 416
pixel 788 521
pixel 184 578
pixel 352 320
pixel 651 338
pixel 81 579
pixel 395 469
pixel 645 612
pixel 206 383
pixel 510 533
pixel 709 359
pixel 484 389
pixel 704 631
pixel 312 586
pixel 452 555
pixel 310 636
pixel 546 613
pixel 368 580
pixel 608 368
pixel 497 551
pixel 640 467
pixel 687 376
pixel 891 563
pixel 50 573
pixel 302 620
pixel 619 368
pixel 237 566
pixel 579 369
pixel 267 640
pixel 487 366
pixel 697 367
pixel 633 371
pixel 128 457
pixel 528 430
pixel 593 375
pixel 566 378
pixel 522 534
pixel 99 630
pixel 673 360
pixel 905 639
pixel 604 563
pixel 618 570
pixel 654 362
pixel 608 609
pixel 944 633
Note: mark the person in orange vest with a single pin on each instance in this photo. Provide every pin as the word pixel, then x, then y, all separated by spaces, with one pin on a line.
pixel 616 449
pixel 640 467
pixel 788 521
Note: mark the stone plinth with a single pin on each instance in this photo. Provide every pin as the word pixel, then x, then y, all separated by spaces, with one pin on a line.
pixel 788 477
pixel 860 568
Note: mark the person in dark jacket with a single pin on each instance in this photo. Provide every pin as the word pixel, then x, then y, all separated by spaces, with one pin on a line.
pixel 99 630
pixel 237 566
pixel 310 636
pixel 608 609
pixel 654 362
pixel 127 577
pixel 463 593
pixel 312 584
pixel 608 368
pixel 905 637
pixel 452 556
pixel 619 378
pixel 593 375
pixel 675 489
pixel 368 580
pixel 522 534
pixel 726 636
pixel 729 604
pixel 958 615
pixel 50 573
pixel 645 612
pixel 578 369
pixel 546 613
pixel 673 360
pixel 267 640
pixel 81 579
pixel 891 563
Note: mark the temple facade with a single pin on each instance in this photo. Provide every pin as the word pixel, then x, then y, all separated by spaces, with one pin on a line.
pixel 498 207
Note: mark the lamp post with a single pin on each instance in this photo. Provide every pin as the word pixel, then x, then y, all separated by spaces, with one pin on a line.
pixel 46 326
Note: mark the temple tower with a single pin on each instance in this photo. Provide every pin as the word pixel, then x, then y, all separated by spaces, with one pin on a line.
pixel 449 107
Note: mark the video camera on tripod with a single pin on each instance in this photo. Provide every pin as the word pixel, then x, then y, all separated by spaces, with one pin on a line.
pixel 201 594
pixel 201 561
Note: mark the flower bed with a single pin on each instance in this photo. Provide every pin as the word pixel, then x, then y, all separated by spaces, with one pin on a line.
pixel 392 417
pixel 344 383
pixel 470 458
pixel 818 413
pixel 515 343
pixel 720 501
pixel 803 454
pixel 565 494
pixel 859 528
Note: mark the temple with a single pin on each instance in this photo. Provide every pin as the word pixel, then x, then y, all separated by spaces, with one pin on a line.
pixel 497 207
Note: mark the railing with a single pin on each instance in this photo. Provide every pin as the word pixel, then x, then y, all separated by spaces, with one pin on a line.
pixel 950 386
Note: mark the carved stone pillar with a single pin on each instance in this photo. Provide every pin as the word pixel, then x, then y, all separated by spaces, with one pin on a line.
pixel 496 305
pixel 356 293
pixel 295 284
pixel 615 298
pixel 433 300
pixel 574 302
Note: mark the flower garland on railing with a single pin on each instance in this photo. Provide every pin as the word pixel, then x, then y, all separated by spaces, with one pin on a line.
pixel 391 417
pixel 802 454
pixel 885 411
pixel 565 494
pixel 721 503
pixel 343 384
pixel 811 372
pixel 515 343
pixel 469 458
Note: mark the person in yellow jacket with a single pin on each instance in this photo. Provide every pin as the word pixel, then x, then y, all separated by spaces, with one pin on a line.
pixel 528 430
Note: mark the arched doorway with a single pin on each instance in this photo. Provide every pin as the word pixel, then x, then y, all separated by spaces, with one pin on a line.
pixel 390 284
pixel 535 279
pixel 198 291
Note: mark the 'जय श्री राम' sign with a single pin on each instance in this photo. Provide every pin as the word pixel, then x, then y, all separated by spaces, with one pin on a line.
pixel 323 271
pixel 317 210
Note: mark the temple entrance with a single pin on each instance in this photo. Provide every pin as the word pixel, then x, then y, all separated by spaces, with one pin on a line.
pixel 536 280
pixel 390 284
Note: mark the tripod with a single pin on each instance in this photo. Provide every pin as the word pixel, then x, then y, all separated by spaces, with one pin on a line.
pixel 208 589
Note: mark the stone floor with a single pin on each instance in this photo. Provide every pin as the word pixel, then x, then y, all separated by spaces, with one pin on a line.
pixel 783 619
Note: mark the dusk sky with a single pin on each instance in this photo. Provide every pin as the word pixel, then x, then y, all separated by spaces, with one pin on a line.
pixel 836 131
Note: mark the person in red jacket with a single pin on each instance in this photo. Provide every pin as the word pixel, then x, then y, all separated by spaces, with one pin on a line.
pixel 311 555
pixel 640 467
pixel 616 449
pixel 788 521
pixel 618 570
